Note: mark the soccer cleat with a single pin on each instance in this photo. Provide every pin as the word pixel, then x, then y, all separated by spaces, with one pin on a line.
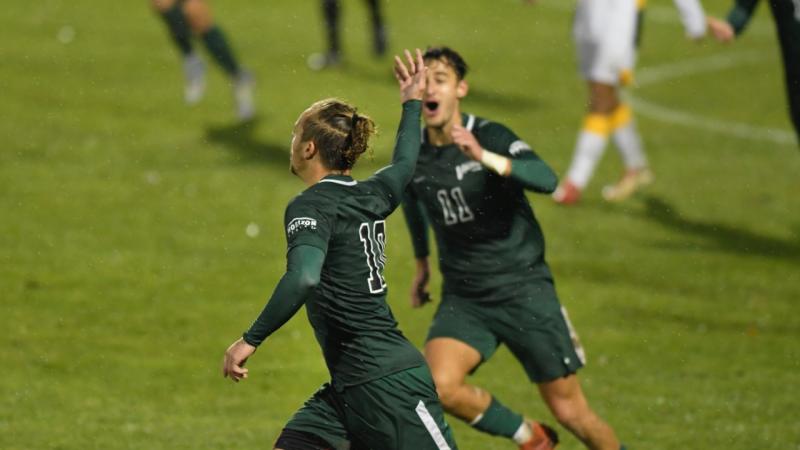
pixel 544 437
pixel 632 181
pixel 321 61
pixel 243 88
pixel 567 193
pixel 195 71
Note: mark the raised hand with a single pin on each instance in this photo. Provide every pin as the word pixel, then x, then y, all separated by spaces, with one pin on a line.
pixel 466 142
pixel 412 79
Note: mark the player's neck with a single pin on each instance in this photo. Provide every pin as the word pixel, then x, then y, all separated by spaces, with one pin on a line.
pixel 441 136
pixel 314 173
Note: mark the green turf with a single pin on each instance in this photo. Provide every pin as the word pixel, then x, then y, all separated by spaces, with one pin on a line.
pixel 125 269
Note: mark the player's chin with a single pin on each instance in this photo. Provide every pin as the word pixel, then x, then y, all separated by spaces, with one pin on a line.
pixel 433 120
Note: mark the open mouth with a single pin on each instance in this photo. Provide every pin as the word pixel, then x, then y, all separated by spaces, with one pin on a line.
pixel 431 106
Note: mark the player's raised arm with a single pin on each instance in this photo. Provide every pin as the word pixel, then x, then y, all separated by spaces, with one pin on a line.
pixel 412 81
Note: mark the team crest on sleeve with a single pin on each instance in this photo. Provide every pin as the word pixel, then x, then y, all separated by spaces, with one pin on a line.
pixel 518 147
pixel 300 223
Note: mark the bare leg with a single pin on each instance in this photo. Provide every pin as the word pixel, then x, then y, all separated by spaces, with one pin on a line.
pixel 591 143
pixel 566 401
pixel 450 361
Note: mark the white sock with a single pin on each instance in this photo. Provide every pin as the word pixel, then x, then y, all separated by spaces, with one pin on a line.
pixel 523 433
pixel 588 150
pixel 629 144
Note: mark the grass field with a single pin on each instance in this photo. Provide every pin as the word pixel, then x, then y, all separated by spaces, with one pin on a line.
pixel 125 268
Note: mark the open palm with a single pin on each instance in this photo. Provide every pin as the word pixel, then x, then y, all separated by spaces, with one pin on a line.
pixel 413 78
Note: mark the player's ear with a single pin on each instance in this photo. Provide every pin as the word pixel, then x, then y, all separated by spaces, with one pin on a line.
pixel 309 150
pixel 462 88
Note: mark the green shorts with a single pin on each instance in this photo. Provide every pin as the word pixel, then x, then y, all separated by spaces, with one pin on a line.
pixel 400 411
pixel 529 320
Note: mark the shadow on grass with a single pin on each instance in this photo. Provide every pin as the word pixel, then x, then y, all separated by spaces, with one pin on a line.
pixel 240 138
pixel 720 236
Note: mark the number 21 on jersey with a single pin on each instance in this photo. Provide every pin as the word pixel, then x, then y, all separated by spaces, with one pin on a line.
pixel 373 236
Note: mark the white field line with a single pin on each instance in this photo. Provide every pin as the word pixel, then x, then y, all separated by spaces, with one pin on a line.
pixel 659 74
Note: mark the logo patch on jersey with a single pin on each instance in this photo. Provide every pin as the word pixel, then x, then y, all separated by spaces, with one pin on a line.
pixel 467 167
pixel 301 223
pixel 518 147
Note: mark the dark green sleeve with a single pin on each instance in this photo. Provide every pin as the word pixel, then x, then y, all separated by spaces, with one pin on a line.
pixel 406 150
pixel 527 168
pixel 740 14
pixel 303 268
pixel 417 223
pixel 533 173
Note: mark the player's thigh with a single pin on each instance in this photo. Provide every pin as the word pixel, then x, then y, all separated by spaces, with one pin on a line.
pixel 614 46
pixel 450 361
pixel 538 333
pixel 398 412
pixel 458 334
pixel 321 417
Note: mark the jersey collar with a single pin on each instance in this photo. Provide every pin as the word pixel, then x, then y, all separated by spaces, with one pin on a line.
pixel 345 180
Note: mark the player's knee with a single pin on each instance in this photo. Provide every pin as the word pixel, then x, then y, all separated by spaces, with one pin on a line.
pixel 570 414
pixel 198 15
pixel 446 387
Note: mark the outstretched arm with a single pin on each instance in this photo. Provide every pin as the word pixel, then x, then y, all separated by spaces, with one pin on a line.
pixel 303 268
pixel 412 80
pixel 738 17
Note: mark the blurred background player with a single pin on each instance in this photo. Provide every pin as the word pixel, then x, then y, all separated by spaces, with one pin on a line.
pixel 188 18
pixel 333 56
pixel 469 185
pixel 606 34
pixel 786 14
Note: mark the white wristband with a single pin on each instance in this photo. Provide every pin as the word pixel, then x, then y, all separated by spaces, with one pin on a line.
pixel 498 164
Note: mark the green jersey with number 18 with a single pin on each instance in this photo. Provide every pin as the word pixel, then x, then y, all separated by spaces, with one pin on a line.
pixel 486 233
pixel 348 311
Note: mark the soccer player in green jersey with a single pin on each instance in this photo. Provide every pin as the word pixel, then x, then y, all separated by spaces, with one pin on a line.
pixel 469 186
pixel 381 394
pixel 185 18
pixel 787 22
